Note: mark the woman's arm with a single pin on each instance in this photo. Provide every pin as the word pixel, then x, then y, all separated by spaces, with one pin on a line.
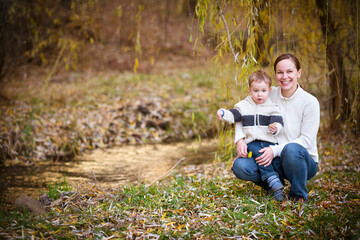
pixel 241 146
pixel 309 126
pixel 239 134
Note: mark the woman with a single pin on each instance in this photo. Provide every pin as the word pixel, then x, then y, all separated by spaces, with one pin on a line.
pixel 295 158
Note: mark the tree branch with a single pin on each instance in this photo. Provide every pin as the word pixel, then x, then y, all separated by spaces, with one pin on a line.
pixel 159 177
pixel 228 35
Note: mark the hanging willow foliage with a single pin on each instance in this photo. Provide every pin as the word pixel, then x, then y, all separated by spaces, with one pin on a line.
pixel 323 34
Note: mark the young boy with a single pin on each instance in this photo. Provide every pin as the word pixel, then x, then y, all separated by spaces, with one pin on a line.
pixel 261 122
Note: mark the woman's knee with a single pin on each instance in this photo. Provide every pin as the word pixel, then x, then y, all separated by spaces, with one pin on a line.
pixel 293 158
pixel 291 149
pixel 245 169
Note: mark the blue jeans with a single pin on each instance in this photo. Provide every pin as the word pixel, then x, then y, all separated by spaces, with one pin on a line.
pixel 294 164
pixel 255 147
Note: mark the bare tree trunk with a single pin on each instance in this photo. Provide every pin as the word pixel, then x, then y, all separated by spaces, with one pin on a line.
pixel 339 109
pixel 4 7
pixel 189 7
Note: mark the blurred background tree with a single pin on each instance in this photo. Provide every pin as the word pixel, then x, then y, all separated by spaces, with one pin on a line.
pixel 52 37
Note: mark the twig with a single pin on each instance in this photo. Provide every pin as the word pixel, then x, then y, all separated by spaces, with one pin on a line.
pixel 54 67
pixel 159 177
pixel 94 178
pixel 228 35
pixel 302 209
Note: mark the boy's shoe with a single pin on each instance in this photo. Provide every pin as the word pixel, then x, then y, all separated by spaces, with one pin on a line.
pixel 276 187
pixel 274 183
pixel 278 195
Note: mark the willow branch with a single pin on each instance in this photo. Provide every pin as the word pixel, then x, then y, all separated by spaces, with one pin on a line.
pixel 228 35
pixel 159 177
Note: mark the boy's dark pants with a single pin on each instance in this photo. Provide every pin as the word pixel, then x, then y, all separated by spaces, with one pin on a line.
pixel 254 147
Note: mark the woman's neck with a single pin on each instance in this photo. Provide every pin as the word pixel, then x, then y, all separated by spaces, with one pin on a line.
pixel 289 93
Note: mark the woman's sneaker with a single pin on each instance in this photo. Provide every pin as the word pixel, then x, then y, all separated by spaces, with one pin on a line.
pixel 298 199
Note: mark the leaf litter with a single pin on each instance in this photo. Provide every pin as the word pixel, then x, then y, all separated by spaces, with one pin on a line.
pixel 203 201
pixel 59 131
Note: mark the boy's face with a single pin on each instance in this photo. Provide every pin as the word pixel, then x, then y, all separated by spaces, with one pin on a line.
pixel 259 91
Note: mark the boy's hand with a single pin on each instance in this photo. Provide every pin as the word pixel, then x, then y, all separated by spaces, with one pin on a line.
pixel 273 128
pixel 220 113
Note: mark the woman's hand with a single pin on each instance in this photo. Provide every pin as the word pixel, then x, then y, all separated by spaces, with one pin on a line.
pixel 266 158
pixel 241 148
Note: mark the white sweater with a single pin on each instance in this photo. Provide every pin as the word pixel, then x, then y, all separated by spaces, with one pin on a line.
pixel 301 115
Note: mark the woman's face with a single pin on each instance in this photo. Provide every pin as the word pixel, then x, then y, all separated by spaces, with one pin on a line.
pixel 286 76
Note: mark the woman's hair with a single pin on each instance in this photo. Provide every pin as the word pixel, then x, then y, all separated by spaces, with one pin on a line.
pixel 259 75
pixel 290 57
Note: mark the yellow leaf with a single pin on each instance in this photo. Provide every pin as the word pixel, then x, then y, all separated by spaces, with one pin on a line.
pixel 167 224
pixel 180 227
pixel 162 218
pixel 284 223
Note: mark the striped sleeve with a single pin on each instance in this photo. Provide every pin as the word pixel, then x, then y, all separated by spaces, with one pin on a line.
pixel 231 115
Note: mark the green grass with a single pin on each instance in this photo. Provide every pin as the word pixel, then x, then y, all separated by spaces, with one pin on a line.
pixel 56 188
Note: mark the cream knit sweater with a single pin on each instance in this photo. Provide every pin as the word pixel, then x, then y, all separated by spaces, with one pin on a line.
pixel 255 119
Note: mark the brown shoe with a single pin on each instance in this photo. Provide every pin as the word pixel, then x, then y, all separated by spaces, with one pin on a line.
pixel 299 199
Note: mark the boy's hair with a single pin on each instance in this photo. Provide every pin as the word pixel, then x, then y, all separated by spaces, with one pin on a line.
pixel 259 75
